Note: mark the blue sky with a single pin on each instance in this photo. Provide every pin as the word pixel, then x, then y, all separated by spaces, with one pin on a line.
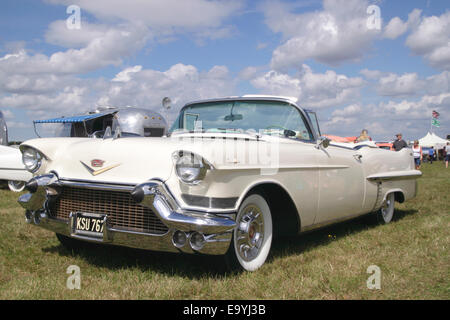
pixel 385 79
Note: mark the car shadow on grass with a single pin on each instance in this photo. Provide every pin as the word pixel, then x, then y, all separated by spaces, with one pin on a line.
pixel 198 266
pixel 285 246
pixel 193 266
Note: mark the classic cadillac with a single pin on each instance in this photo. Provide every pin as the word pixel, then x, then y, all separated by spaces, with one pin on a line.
pixel 230 175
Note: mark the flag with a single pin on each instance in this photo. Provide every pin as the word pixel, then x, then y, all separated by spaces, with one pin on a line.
pixel 435 114
pixel 435 123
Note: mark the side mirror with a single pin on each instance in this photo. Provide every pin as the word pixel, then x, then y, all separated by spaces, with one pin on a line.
pixel 323 142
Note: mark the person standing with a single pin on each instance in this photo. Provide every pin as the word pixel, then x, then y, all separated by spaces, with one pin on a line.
pixel 417 152
pixel 399 144
pixel 447 154
pixel 431 154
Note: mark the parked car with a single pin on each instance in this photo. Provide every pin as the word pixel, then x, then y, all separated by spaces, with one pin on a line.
pixel 12 168
pixel 232 174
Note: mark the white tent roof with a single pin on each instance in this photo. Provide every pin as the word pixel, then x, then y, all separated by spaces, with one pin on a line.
pixel 432 140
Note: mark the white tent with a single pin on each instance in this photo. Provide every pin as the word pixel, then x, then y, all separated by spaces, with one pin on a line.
pixel 432 140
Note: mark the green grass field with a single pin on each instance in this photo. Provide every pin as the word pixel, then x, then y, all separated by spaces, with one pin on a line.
pixel 412 253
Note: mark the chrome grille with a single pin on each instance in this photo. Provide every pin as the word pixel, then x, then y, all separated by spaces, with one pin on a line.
pixel 123 212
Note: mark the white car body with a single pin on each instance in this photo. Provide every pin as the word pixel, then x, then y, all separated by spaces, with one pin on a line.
pixel 307 186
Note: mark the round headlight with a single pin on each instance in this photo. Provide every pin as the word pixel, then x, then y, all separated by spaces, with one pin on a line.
pixel 31 158
pixel 190 168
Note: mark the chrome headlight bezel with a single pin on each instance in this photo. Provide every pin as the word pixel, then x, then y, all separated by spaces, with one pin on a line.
pixel 31 158
pixel 190 168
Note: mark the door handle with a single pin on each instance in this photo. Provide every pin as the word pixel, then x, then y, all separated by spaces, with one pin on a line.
pixel 357 156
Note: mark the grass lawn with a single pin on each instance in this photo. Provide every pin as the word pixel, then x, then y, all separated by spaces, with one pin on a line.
pixel 412 253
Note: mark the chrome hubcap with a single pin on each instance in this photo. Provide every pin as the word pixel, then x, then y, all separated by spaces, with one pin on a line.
pixel 17 184
pixel 385 209
pixel 250 233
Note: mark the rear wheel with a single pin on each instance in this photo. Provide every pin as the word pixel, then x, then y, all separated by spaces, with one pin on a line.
pixel 16 186
pixel 252 237
pixel 386 212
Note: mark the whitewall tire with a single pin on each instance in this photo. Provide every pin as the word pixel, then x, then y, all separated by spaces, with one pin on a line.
pixel 252 237
pixel 16 186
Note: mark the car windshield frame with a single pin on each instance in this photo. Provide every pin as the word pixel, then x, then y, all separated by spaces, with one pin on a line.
pixel 235 108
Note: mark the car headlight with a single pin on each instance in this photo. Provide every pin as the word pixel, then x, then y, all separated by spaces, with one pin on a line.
pixel 190 168
pixel 32 159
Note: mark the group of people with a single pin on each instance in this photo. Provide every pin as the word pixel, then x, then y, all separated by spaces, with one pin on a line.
pixel 417 151
pixel 399 144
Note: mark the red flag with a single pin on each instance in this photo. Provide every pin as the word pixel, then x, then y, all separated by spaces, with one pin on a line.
pixel 435 114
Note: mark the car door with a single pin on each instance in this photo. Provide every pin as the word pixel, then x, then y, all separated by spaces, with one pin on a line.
pixel 341 183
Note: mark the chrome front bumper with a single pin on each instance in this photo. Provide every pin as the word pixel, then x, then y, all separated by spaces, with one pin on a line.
pixel 214 231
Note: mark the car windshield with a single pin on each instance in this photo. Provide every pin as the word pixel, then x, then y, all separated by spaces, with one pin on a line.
pixel 264 117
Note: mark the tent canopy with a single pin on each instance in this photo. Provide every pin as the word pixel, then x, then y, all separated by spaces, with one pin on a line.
pixel 432 140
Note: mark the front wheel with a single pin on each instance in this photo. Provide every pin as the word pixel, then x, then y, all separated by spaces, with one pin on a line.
pixel 386 212
pixel 16 186
pixel 252 237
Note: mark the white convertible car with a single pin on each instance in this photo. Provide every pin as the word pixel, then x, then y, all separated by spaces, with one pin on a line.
pixel 231 174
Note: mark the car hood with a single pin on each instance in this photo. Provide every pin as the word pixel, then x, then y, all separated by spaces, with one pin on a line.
pixel 125 160
pixel 134 160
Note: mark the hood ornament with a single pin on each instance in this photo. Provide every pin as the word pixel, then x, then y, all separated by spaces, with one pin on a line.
pixel 98 163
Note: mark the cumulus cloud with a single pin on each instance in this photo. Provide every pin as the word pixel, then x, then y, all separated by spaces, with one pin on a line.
pixel 396 27
pixel 138 87
pixel 125 75
pixel 203 16
pixel 407 84
pixel 109 48
pixel 431 39
pixel 336 34
pixel 404 85
pixel 314 90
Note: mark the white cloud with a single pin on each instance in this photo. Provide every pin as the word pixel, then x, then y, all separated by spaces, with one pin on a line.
pixel 404 85
pixel 334 35
pixel 145 88
pixel 314 90
pixel 431 39
pixel 163 15
pixel 396 27
pixel 351 110
pixel 125 75
pixel 108 49
pixel 408 84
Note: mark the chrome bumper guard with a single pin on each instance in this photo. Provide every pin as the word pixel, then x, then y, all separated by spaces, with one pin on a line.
pixel 201 232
